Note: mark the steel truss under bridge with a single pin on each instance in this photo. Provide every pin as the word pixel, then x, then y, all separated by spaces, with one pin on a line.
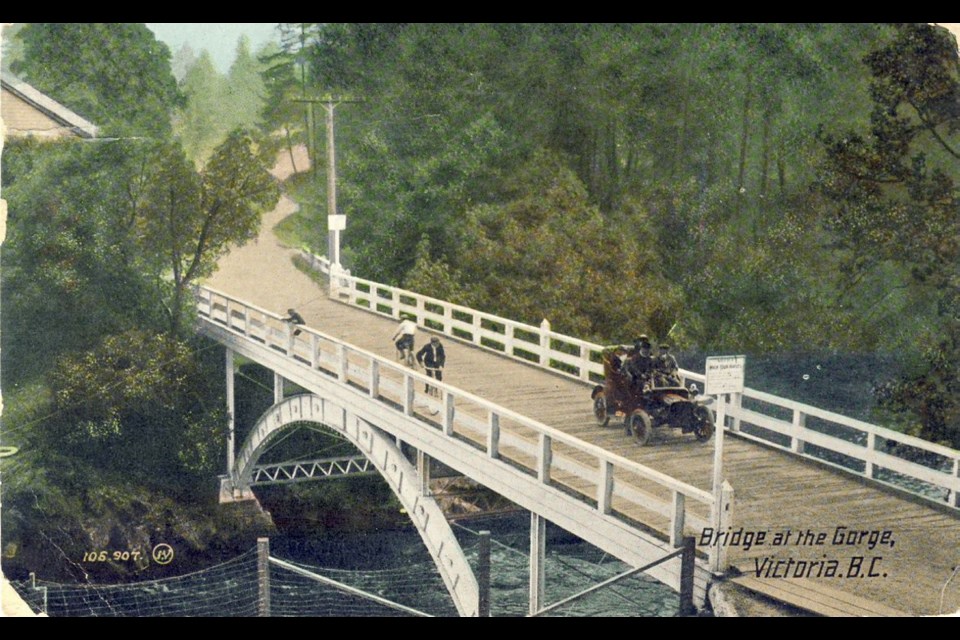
pixel 319 469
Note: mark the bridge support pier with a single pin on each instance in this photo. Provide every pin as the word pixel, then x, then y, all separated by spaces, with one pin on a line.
pixel 277 388
pixel 229 491
pixel 230 410
pixel 538 548
pixel 423 471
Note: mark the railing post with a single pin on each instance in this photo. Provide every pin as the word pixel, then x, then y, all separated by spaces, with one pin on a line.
pixel 544 458
pixel 289 338
pixel 448 320
pixel 314 351
pixel 374 378
pixel 545 343
pixel 263 577
pixel 799 423
pixel 226 307
pixel 869 457
pixel 493 436
pixel 341 362
pixel 956 474
pixel 605 487
pixel 246 320
pixel 448 413
pixel 584 363
pixel 677 519
pixel 508 342
pixel 736 405
pixel 718 553
pixel 477 327
pixel 408 389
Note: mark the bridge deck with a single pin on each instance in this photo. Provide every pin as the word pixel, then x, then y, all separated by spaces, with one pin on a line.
pixel 817 598
pixel 774 492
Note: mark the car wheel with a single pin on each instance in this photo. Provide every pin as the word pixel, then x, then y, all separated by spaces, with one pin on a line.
pixel 641 425
pixel 600 409
pixel 704 428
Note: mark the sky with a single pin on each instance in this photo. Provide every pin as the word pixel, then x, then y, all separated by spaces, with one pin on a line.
pixel 219 38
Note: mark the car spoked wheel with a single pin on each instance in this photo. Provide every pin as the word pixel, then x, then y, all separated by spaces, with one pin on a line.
pixel 641 426
pixel 600 409
pixel 704 428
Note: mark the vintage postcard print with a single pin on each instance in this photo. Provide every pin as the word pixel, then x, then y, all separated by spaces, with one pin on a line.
pixel 320 319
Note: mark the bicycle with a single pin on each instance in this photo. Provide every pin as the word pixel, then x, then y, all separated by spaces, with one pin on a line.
pixel 405 351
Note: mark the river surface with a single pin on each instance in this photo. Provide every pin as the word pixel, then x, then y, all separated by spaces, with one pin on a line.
pixel 397 566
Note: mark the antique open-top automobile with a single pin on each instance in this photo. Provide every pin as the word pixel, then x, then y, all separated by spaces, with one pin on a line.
pixel 643 406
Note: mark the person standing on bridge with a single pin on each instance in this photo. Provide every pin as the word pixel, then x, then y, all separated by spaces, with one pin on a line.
pixel 432 358
pixel 294 318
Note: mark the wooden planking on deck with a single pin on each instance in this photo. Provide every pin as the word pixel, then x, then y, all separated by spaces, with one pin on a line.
pixel 817 597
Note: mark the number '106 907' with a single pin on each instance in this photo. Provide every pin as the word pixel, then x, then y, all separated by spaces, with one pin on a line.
pixel 116 556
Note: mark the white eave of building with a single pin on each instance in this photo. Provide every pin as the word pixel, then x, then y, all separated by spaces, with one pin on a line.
pixel 79 125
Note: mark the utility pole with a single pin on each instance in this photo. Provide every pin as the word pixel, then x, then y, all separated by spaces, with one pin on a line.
pixel 335 222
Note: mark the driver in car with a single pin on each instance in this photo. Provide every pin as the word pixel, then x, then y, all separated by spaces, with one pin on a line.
pixel 641 366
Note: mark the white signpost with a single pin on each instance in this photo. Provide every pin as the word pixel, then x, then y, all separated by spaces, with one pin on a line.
pixel 724 374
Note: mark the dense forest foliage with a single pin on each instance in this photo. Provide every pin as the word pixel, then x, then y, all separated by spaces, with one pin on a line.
pixel 751 188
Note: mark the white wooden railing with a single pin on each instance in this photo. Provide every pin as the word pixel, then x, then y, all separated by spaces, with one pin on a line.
pixel 909 464
pixel 614 484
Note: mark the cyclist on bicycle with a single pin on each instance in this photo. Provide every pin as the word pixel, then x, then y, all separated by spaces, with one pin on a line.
pixel 406 332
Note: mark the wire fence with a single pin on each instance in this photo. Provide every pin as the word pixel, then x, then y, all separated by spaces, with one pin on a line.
pixel 569 569
pixel 228 589
pixel 299 589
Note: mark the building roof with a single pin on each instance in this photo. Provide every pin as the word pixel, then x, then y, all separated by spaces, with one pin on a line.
pixel 68 121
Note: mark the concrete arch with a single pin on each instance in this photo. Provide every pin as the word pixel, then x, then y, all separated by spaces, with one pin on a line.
pixel 390 462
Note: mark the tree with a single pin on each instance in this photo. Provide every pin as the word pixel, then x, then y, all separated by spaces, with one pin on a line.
pixel 549 253
pixel 139 402
pixel 191 219
pixel 280 112
pixel 182 61
pixel 897 202
pixel 69 253
pixel 204 120
pixel 117 74
pixel 245 88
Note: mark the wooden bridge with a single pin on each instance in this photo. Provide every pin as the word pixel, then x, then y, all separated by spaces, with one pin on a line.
pixel 823 530
pixel 823 504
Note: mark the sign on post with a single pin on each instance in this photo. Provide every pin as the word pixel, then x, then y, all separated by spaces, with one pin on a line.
pixel 724 375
